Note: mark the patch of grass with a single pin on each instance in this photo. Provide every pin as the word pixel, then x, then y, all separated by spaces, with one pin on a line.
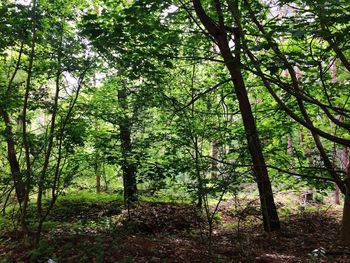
pixel 315 208
pixel 50 224
pixel 217 217
pixel 284 212
pixel 85 206
pixel 89 197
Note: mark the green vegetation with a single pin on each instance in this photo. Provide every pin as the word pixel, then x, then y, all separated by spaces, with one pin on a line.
pixel 134 126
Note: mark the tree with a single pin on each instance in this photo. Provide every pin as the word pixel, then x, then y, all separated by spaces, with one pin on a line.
pixel 46 45
pixel 232 61
pixel 311 92
pixel 138 65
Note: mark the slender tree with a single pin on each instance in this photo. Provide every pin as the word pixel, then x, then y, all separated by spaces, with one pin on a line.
pixel 232 61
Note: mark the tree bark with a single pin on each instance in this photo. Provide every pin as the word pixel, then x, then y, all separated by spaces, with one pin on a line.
pixel 268 207
pixel 12 158
pixel 336 198
pixel 97 161
pixel 215 157
pixel 98 179
pixel 336 195
pixel 200 190
pixel 346 210
pixel 128 168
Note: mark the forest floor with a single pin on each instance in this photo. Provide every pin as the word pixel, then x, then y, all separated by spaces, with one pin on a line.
pixel 81 231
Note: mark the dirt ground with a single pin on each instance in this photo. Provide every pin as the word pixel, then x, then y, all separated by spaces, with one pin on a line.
pixel 152 232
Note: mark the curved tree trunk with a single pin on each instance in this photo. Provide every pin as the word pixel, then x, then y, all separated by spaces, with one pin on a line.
pixel 268 207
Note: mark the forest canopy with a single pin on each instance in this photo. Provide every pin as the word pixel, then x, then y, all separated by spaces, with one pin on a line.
pixel 197 102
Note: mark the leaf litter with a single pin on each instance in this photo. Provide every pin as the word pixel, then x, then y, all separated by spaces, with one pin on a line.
pixel 154 232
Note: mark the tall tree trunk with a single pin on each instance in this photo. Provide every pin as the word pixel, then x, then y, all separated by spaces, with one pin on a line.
pixel 97 174
pixel 96 126
pixel 128 168
pixel 215 157
pixel 28 86
pixel 268 207
pixel 97 161
pixel 104 176
pixel 12 158
pixel 336 195
pixel 346 209
pixel 200 190
pixel 336 188
pixel 290 145
pixel 10 140
pixel 333 71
